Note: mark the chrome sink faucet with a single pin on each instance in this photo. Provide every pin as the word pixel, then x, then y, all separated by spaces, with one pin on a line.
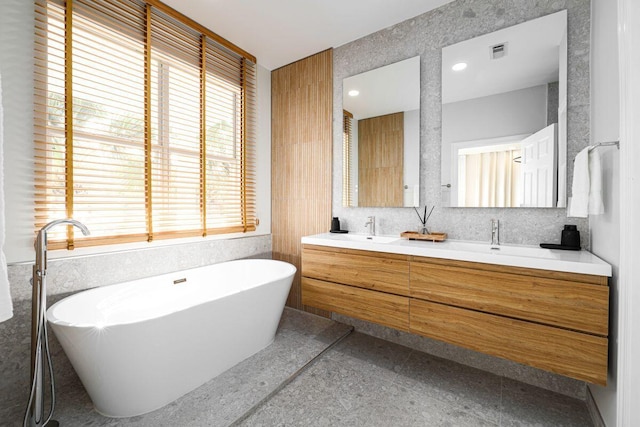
pixel 371 223
pixel 495 233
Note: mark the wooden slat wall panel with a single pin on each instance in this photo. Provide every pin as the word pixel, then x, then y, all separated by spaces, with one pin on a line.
pixel 381 160
pixel 301 150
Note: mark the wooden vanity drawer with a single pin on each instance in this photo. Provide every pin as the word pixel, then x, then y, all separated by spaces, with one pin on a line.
pixel 559 302
pixel 570 353
pixel 384 309
pixel 379 271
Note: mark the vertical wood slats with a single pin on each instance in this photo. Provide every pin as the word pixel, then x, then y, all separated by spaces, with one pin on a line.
pixel 301 144
pixel 381 161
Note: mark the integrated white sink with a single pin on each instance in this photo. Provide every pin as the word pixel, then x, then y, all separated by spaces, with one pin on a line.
pixel 583 262
pixel 372 239
pixel 507 250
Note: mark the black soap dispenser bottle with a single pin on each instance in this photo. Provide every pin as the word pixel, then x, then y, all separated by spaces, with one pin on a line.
pixel 335 226
pixel 570 237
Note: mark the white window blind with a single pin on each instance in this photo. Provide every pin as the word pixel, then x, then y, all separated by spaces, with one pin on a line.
pixel 144 124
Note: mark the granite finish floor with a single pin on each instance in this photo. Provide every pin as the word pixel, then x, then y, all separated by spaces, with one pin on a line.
pixel 362 381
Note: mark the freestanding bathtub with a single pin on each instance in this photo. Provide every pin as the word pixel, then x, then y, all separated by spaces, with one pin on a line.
pixel 139 345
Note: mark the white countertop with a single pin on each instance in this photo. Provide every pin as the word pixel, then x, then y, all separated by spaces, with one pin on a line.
pixel 583 262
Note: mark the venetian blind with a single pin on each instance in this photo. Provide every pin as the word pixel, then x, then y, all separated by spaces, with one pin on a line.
pixel 144 124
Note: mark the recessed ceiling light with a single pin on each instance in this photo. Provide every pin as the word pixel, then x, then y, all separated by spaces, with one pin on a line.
pixel 354 92
pixel 459 66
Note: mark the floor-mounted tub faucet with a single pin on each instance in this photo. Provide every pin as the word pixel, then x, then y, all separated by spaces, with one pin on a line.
pixel 35 414
pixel 495 234
pixel 371 223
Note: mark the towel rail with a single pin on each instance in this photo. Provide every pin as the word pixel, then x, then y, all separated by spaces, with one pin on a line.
pixel 605 144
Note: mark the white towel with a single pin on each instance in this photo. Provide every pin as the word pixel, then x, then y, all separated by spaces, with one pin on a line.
pixel 596 206
pixel 579 200
pixel 586 187
pixel 6 306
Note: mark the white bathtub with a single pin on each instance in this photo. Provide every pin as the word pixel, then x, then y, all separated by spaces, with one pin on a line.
pixel 140 345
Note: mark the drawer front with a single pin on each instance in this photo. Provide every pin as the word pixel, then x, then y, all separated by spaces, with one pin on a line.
pixel 379 273
pixel 572 305
pixel 376 307
pixel 570 353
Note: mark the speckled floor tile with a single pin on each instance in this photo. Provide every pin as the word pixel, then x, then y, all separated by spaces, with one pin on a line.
pixel 352 385
pixel 400 406
pixel 324 395
pixel 468 389
pixel 361 352
pixel 525 405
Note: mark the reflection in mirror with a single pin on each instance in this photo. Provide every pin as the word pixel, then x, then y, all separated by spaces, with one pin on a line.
pixel 381 136
pixel 504 140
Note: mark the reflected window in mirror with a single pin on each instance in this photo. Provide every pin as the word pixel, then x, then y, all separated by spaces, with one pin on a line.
pixel 381 136
pixel 504 117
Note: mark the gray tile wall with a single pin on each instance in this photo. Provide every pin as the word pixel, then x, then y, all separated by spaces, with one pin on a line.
pixel 71 275
pixel 426 35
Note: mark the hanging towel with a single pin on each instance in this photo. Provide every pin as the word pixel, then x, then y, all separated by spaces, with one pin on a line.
pixel 6 307
pixel 586 188
pixel 579 200
pixel 596 207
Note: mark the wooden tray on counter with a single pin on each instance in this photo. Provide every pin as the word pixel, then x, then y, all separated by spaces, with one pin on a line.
pixel 433 237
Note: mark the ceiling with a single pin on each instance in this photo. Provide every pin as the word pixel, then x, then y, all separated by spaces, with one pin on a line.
pixel 532 58
pixel 279 32
pixel 384 90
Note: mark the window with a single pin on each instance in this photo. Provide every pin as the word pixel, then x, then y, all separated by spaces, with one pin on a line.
pixel 144 124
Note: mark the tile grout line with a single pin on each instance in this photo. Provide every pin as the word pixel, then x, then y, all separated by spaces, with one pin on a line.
pixel 290 379
pixel 500 408
pixel 402 367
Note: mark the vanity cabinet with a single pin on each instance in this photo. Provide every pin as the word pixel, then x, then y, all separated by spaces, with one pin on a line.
pixel 366 285
pixel 556 321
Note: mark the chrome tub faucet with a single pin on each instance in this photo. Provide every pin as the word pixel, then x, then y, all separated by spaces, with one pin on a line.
pixel 371 223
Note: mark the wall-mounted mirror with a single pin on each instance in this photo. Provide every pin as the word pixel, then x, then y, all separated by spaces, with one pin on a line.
pixel 381 136
pixel 504 110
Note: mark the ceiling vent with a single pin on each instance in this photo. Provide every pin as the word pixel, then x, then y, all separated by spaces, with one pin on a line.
pixel 498 51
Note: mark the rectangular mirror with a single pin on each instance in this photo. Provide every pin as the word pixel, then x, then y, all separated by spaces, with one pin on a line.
pixel 504 110
pixel 381 136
